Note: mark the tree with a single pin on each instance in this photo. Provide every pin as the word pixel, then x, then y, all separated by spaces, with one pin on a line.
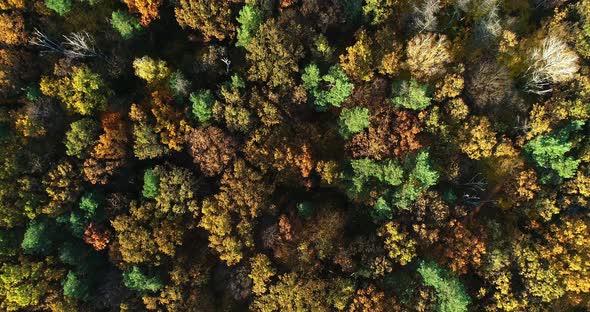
pixel 146 143
pixel 12 4
pixel 548 151
pixel 179 84
pixel 261 273
pixel 151 183
pixel 425 18
pixel 75 287
pixel 358 60
pixel 137 280
pixel 364 170
pixel 61 7
pixel 411 95
pixel 378 11
pixel 212 149
pixel 202 101
pixel 62 185
pixel 419 179
pixel 274 54
pixel 151 70
pixel 12 29
pixel 477 138
pixel 450 292
pixel 338 87
pixel 126 25
pixel 293 293
pixel 148 9
pixel 552 62
pixel 82 135
pixel 427 55
pixel 27 284
pixel 109 153
pixel 212 18
pixel 400 247
pixel 353 120
pixel 250 19
pixel 83 91
pixel 38 238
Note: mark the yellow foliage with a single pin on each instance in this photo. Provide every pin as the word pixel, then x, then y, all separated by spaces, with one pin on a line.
pixel 477 139
pixel 427 55
pixel 358 60
pixel 400 246
pixel 261 272
pixel 451 86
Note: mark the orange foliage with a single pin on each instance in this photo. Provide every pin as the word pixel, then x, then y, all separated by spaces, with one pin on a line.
pixel 147 8
pixel 97 236
pixel 12 29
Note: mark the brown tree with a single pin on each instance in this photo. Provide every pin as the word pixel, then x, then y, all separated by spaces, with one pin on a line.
pixel 212 18
pixel 212 149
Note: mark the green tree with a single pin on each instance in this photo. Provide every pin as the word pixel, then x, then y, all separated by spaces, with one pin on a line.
pixel 332 88
pixel 549 151
pixel 151 184
pixel 136 280
pixel 420 178
pixel 82 135
pixel 450 293
pixel 125 24
pixel 250 18
pixel 202 102
pixel 60 7
pixel 411 95
pixel 75 287
pixel 89 204
pixel 38 238
pixel 353 120
pixel 364 170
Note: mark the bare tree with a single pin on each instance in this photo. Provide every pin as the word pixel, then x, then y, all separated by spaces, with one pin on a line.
pixel 552 62
pixel 425 15
pixel 39 39
pixel 75 45
pixel 79 45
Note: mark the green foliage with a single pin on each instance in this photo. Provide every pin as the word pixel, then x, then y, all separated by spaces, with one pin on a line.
pixel 75 287
pixel 381 210
pixel 125 24
pixel 60 7
pixel 151 184
pixel 450 292
pixel 81 136
pixel 353 120
pixel 38 238
pixel 305 209
pixel 410 95
pixel 420 178
pixel 364 170
pixel 549 151
pixel 136 280
pixel 72 253
pixel 89 204
pixel 202 103
pixel 332 88
pixel 250 19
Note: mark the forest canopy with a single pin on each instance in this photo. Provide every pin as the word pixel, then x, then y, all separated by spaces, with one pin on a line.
pixel 295 155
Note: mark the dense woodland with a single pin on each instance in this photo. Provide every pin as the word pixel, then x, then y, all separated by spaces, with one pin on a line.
pixel 294 155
